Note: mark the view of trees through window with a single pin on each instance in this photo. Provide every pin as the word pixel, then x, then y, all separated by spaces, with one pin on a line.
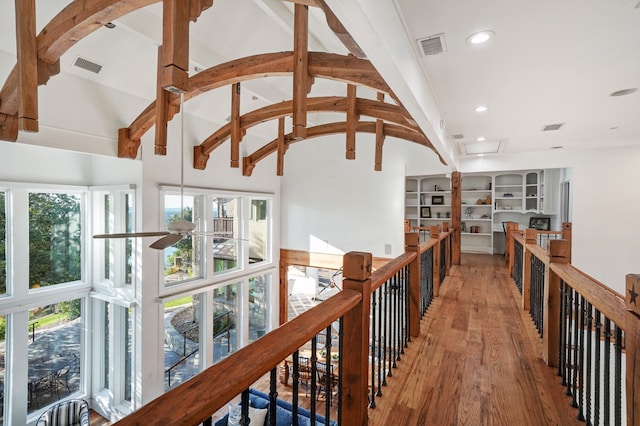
pixel 54 239
pixel 181 259
pixel 3 244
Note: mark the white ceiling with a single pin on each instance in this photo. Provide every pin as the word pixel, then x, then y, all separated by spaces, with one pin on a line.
pixel 549 62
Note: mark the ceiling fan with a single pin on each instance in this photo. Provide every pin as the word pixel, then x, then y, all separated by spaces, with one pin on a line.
pixel 180 229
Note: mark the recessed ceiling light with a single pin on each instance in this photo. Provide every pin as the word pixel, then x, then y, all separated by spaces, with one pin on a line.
pixel 481 108
pixel 480 37
pixel 110 25
pixel 624 92
pixel 481 139
pixel 557 147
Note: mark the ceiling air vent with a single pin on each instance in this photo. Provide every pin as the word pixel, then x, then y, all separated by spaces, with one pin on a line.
pixel 458 136
pixel 552 127
pixel 86 64
pixel 432 45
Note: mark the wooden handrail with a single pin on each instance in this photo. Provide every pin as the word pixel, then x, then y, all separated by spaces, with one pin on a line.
pixel 198 398
pixel 603 299
pixel 538 252
pixel 387 271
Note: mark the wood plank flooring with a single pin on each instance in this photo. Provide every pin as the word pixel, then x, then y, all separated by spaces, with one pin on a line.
pixel 477 361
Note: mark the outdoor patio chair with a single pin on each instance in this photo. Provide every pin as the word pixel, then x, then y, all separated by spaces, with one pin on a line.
pixel 72 412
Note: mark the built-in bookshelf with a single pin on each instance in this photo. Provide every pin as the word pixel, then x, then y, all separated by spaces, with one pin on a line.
pixel 487 200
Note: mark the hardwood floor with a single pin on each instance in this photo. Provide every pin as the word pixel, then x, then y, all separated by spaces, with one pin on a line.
pixel 477 361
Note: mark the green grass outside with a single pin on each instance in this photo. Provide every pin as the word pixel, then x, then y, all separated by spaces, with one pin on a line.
pixel 178 302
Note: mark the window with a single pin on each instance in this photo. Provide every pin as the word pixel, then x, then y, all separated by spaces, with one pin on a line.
pixel 54 353
pixel 258 231
pixel 225 321
pixel 3 327
pixel 183 260
pixel 3 244
pixel 225 227
pixel 114 213
pixel 258 287
pixel 182 340
pixel 55 227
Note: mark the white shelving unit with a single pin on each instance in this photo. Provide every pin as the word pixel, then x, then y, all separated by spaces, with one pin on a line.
pixel 488 200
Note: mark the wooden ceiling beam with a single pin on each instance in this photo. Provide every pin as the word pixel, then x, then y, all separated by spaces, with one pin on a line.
pixel 249 162
pixel 27 65
pixel 162 111
pixel 352 122
pixel 236 130
pixel 300 69
pixel 347 69
pixel 175 45
pixel 379 138
pixel 281 148
pixel 367 107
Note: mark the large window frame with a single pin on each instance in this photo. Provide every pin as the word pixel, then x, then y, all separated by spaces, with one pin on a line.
pixel 241 234
pixel 19 299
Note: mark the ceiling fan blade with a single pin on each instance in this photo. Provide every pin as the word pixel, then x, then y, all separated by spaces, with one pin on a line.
pixel 133 234
pixel 166 241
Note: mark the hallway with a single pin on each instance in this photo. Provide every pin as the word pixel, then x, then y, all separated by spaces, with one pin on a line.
pixel 476 361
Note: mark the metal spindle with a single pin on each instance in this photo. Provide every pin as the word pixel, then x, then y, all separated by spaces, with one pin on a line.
pixel 314 375
pixel 588 365
pixel 328 389
pixel 596 402
pixel 618 375
pixel 570 339
pixel 382 379
pixel 561 331
pixel 340 353
pixel 372 398
pixel 294 385
pixel 580 366
pixel 607 371
pixel 244 408
pixel 576 316
pixel 273 396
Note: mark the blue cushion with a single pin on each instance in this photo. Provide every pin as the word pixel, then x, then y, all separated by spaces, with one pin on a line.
pixel 284 411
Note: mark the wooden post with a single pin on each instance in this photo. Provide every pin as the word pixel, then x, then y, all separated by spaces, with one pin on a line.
pixel 558 251
pixel 412 244
pixel 354 392
pixel 632 339
pixel 456 216
pixel 283 311
pixel 567 235
pixel 435 234
pixel 529 238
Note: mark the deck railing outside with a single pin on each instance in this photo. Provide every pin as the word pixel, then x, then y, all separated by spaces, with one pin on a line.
pixel 379 312
pixel 588 331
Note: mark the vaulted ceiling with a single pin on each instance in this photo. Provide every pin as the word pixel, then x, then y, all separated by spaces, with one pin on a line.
pixel 547 63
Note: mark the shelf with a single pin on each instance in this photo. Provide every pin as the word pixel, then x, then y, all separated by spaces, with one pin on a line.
pixel 465 219
pixel 477 190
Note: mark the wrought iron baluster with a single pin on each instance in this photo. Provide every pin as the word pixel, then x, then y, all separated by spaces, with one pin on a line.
pixel 295 377
pixel 576 317
pixel 607 371
pixel 314 375
pixel 618 376
pixel 273 396
pixel 588 365
pixel 382 380
pixel 328 374
pixel 340 353
pixel 244 408
pixel 570 338
pixel 561 331
pixel 596 375
pixel 372 397
pixel 580 366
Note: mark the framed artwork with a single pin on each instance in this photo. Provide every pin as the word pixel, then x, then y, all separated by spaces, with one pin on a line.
pixel 425 211
pixel 437 200
pixel 540 223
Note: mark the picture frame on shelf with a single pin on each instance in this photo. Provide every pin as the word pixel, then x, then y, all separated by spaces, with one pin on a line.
pixel 425 212
pixel 437 200
pixel 540 223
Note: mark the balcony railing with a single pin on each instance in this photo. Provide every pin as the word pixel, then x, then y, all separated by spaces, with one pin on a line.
pixel 588 332
pixel 378 312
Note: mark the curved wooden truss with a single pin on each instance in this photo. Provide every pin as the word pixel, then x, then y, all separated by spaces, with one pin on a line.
pixel 393 130
pixel 39 60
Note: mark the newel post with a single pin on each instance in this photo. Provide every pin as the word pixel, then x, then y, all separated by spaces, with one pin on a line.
pixel 567 234
pixel 632 337
pixel 456 216
pixel 559 252
pixel 435 235
pixel 529 238
pixel 356 276
pixel 412 245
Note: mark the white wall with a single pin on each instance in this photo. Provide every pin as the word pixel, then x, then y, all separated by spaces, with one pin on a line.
pixel 606 202
pixel 334 205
